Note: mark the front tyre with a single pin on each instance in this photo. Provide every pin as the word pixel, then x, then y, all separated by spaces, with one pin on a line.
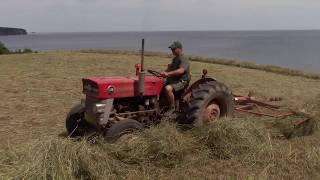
pixel 75 123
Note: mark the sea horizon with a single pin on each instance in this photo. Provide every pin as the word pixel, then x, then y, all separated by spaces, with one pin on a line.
pixel 295 49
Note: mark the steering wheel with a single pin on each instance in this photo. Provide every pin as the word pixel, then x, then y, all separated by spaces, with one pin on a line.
pixel 155 73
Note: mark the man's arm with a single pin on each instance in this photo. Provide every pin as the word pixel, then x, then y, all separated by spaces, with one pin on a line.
pixel 174 73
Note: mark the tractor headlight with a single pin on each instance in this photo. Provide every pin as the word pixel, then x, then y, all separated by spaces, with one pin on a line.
pixel 99 108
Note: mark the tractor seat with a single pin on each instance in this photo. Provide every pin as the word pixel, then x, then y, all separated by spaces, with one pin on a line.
pixel 178 94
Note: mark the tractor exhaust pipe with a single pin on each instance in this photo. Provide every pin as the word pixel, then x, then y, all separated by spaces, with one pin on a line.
pixel 142 73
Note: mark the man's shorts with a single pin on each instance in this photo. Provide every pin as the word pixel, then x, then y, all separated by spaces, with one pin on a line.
pixel 177 85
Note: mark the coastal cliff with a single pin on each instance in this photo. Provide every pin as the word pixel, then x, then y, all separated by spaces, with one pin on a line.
pixel 12 31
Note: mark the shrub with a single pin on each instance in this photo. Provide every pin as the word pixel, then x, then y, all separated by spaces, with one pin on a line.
pixel 27 50
pixel 3 49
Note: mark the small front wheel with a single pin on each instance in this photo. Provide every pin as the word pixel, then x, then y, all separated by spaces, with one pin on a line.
pixel 75 121
pixel 121 128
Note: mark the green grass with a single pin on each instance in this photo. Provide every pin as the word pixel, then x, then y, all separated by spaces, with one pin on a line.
pixel 39 89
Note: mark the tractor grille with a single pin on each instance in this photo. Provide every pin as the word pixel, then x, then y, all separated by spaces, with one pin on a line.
pixel 90 116
pixel 90 103
pixel 96 115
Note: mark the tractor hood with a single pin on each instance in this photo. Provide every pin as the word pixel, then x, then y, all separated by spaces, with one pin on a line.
pixel 120 87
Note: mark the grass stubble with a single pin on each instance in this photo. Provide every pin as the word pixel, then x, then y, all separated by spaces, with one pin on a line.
pixel 38 90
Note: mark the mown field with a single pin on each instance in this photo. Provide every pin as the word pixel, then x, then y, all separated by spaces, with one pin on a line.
pixel 37 91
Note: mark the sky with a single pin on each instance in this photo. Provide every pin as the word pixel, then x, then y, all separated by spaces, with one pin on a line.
pixel 159 15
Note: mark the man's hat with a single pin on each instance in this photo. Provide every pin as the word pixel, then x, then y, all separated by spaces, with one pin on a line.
pixel 175 45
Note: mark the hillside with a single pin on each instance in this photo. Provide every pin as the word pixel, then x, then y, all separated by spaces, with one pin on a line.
pixel 12 31
pixel 39 89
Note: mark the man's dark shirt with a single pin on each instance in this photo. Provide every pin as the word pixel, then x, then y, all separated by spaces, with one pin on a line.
pixel 180 62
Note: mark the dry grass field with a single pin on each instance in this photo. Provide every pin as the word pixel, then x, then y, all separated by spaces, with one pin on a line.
pixel 37 91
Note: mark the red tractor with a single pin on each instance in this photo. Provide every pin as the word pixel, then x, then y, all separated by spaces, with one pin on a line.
pixel 118 105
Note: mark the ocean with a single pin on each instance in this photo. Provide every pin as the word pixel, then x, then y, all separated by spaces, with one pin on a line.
pixel 292 49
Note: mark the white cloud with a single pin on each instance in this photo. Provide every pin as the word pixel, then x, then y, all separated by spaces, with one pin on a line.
pixel 107 15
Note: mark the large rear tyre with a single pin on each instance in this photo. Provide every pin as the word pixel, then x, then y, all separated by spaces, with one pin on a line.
pixel 208 102
pixel 121 128
pixel 75 123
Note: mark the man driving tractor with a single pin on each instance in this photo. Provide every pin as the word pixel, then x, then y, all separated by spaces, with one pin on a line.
pixel 177 74
pixel 113 107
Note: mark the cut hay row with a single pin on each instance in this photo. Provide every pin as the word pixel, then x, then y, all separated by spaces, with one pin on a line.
pixel 232 148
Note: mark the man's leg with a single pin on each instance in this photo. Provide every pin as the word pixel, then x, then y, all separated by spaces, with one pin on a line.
pixel 170 96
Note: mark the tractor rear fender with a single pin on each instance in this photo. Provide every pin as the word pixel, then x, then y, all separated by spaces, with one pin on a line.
pixel 196 84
